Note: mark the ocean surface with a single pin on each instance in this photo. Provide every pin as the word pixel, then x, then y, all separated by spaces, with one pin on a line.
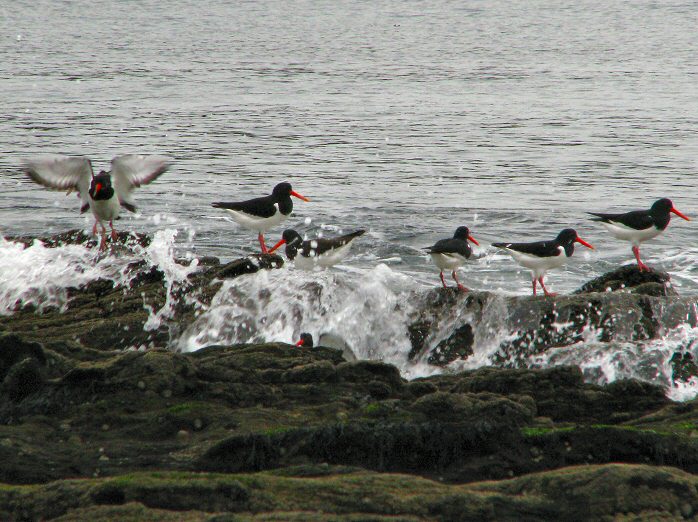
pixel 408 119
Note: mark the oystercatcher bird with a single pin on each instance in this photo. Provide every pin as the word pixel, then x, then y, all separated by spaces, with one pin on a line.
pixel 324 252
pixel 261 214
pixel 104 193
pixel 449 254
pixel 306 340
pixel 639 225
pixel 541 256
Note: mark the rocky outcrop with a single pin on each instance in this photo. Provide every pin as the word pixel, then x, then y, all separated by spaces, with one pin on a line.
pixel 623 305
pixel 276 431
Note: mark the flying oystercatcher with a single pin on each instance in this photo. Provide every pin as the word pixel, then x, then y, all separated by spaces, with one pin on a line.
pixel 449 254
pixel 639 225
pixel 104 193
pixel 306 340
pixel 541 256
pixel 261 214
pixel 324 252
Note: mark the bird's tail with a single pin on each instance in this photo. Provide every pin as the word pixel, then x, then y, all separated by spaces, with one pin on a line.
pixel 598 217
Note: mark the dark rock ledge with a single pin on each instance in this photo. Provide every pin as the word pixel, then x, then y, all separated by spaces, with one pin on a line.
pixel 259 432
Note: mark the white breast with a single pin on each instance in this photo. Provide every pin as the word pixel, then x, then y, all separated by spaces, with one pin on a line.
pixel 326 260
pixel 257 224
pixel 105 209
pixel 538 265
pixel 447 261
pixel 620 231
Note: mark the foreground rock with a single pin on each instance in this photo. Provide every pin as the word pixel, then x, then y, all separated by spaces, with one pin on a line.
pixel 295 418
pixel 330 493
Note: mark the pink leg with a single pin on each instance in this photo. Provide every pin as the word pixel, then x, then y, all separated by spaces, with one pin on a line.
pixel 643 267
pixel 534 286
pixel 545 290
pixel 114 235
pixel 460 286
pixel 262 243
pixel 94 228
pixel 441 274
pixel 103 242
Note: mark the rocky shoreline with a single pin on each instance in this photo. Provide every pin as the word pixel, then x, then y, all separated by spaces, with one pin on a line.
pixel 91 431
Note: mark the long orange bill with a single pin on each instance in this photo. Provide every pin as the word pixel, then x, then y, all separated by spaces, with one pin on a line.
pixel 294 193
pixel 580 240
pixel 679 214
pixel 300 343
pixel 471 238
pixel 281 242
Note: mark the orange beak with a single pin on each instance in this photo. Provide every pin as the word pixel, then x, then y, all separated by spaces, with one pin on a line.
pixel 679 214
pixel 471 238
pixel 281 242
pixel 300 343
pixel 294 193
pixel 98 187
pixel 580 240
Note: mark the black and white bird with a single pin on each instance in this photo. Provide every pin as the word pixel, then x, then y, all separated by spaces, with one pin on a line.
pixel 541 256
pixel 639 225
pixel 450 254
pixel 261 214
pixel 306 340
pixel 104 193
pixel 320 252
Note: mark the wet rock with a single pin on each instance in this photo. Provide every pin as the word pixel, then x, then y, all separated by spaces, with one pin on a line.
pixel 640 307
pixel 22 379
pixel 630 277
pixel 458 345
pixel 14 349
pixel 683 366
pixel 250 265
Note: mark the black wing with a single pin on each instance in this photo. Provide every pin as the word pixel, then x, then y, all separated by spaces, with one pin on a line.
pixel 637 219
pixel 260 207
pixel 322 245
pixel 538 248
pixel 451 246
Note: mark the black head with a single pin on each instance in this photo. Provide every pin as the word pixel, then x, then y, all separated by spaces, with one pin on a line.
pixel 291 237
pixel 306 340
pixel 662 206
pixel 567 236
pixel 100 187
pixel 462 233
pixel 282 190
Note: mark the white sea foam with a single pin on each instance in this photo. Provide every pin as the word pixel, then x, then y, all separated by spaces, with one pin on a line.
pixel 368 310
pixel 39 276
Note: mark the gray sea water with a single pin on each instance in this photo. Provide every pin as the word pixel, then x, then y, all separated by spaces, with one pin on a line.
pixel 405 118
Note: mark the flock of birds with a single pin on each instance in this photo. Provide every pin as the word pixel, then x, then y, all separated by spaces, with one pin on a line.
pixel 105 193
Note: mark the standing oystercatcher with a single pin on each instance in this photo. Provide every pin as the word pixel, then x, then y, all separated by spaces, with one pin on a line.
pixel 104 193
pixel 449 254
pixel 324 252
pixel 260 214
pixel 639 225
pixel 541 256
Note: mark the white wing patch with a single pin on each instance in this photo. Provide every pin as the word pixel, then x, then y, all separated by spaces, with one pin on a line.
pixel 131 171
pixel 62 173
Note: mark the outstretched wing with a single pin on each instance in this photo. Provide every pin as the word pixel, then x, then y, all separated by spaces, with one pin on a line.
pixel 131 171
pixel 62 173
